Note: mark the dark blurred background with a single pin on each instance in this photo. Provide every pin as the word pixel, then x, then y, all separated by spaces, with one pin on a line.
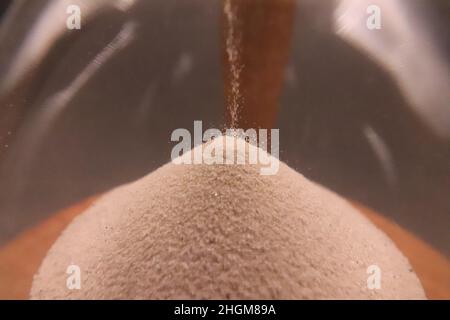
pixel 348 119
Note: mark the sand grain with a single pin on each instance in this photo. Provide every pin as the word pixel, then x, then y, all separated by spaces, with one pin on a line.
pixel 223 232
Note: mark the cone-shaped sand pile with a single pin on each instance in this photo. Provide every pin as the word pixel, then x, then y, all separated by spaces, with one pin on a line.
pixel 223 232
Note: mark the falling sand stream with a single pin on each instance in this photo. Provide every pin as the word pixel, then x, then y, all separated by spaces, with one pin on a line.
pixel 256 40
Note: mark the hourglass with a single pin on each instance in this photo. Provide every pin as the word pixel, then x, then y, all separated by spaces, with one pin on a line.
pixel 87 108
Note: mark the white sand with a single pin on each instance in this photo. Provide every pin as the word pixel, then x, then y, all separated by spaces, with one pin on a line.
pixel 220 232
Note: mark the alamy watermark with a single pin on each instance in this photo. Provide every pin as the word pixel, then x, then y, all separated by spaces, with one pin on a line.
pixel 374 279
pixel 373 22
pixel 73 21
pixel 210 147
pixel 73 281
